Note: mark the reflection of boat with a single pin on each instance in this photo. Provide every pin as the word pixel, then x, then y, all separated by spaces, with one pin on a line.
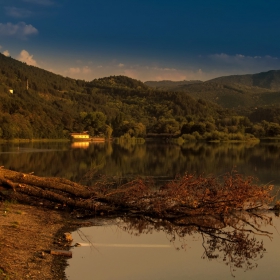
pixel 85 143
pixel 80 144
pixel 84 137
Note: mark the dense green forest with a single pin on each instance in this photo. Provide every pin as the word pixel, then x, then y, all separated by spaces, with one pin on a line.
pixel 35 103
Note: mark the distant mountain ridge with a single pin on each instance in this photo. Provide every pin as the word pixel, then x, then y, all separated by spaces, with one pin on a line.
pixel 167 84
pixel 235 91
pixel 268 80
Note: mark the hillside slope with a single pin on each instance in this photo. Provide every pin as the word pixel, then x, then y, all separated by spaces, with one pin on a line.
pixel 268 80
pixel 169 85
pixel 53 106
pixel 235 92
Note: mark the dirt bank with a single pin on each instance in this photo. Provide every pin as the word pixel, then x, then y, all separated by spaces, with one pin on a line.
pixel 27 233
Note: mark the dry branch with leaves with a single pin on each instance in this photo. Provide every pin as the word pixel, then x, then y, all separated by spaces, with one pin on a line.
pixel 186 195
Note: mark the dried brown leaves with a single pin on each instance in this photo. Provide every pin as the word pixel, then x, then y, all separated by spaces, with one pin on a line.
pixel 192 195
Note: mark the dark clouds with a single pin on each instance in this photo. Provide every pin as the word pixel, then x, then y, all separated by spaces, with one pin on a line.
pixel 150 39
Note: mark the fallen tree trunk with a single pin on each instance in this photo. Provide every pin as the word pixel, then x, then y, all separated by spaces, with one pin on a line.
pixel 57 190
pixel 186 195
pixel 59 184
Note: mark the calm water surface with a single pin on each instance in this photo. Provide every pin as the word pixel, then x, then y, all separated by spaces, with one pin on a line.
pixel 80 163
pixel 116 250
pixel 137 250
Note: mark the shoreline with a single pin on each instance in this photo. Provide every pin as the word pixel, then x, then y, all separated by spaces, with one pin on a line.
pixel 28 233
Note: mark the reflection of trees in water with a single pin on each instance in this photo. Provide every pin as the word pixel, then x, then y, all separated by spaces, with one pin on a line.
pixel 57 159
pixel 207 158
pixel 151 159
pixel 235 239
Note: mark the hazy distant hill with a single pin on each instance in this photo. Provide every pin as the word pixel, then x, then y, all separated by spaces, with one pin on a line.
pixel 233 95
pixel 268 80
pixel 166 84
pixel 237 91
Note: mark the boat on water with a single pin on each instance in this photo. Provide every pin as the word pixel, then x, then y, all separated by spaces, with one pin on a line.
pixel 85 137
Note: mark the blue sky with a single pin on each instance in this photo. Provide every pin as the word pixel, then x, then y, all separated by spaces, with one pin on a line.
pixel 143 39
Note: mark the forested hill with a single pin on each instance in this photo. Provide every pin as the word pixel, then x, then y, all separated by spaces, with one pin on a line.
pixel 239 92
pixel 268 80
pixel 170 85
pixel 118 82
pixel 54 106
pixel 13 74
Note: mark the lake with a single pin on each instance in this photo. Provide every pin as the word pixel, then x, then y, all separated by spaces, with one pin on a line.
pixel 117 249
pixel 134 249
pixel 81 161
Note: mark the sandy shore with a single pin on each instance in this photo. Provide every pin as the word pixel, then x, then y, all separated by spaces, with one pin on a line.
pixel 27 234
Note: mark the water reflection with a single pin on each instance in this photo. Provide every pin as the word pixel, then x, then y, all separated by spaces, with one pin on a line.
pixel 151 159
pixel 238 240
pixel 83 145
pixel 231 239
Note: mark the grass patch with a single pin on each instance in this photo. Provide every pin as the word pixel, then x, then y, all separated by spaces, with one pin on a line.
pixel 7 204
pixel 15 224
pixel 2 273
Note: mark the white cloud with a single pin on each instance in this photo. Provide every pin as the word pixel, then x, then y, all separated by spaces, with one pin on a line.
pixel 74 70
pixel 86 70
pixel 150 72
pixel 270 57
pixel 222 64
pixel 40 2
pixel 6 53
pixel 225 58
pixel 78 72
pixel 162 69
pixel 17 12
pixel 238 58
pixel 204 67
pixel 19 30
pixel 24 56
pixel 136 71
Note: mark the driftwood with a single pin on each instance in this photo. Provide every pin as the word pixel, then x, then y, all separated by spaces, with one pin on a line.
pixel 186 195
pixel 63 253
pixel 57 190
